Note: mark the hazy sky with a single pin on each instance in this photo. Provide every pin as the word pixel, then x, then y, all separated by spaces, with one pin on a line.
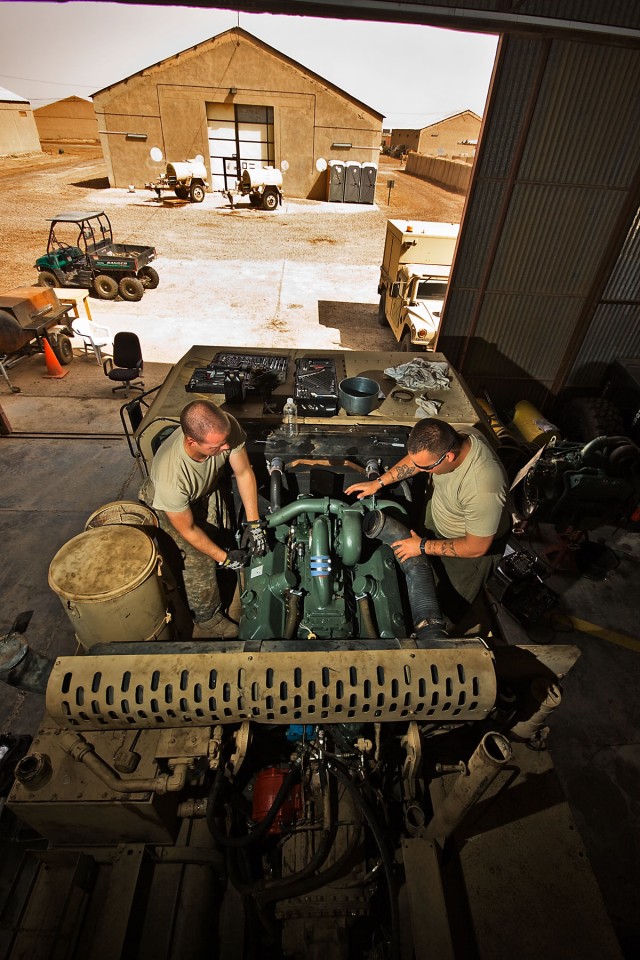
pixel 412 74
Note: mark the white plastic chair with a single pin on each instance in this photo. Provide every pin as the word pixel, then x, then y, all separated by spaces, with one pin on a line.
pixel 94 335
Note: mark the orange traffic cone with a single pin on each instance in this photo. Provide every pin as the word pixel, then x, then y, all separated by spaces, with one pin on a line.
pixel 54 370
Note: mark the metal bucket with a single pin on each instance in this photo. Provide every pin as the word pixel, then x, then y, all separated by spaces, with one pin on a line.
pixel 129 512
pixel 358 395
pixel 108 581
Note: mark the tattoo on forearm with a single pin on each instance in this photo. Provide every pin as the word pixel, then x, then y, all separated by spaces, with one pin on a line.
pixel 441 548
pixel 404 471
pixel 448 548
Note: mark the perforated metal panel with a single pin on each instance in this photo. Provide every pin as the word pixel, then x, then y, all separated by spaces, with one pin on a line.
pixel 456 684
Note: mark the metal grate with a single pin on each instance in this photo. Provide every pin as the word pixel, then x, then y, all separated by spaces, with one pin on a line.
pixel 272 687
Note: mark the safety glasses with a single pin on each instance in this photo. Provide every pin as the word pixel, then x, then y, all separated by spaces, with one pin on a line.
pixel 431 466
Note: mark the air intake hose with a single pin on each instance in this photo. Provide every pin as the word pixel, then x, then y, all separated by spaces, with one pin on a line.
pixel 428 621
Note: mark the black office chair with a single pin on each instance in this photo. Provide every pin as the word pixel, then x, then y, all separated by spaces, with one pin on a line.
pixel 126 364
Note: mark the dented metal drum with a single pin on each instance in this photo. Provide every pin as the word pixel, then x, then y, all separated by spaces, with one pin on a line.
pixel 108 581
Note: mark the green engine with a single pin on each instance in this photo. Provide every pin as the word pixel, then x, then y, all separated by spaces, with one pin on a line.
pixel 322 578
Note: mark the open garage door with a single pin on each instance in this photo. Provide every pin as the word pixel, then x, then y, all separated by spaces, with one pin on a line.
pixel 240 138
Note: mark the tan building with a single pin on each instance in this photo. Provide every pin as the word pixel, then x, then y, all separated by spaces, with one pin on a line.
pixel 235 101
pixel 72 120
pixel 18 132
pixel 455 136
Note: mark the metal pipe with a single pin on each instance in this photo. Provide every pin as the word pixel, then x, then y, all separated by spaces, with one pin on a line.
pixel 315 505
pixel 368 631
pixel 546 697
pixel 350 543
pixel 293 613
pixel 320 564
pixel 489 757
pixel 82 751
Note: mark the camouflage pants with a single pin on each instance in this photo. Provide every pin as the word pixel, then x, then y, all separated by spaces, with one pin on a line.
pixel 193 570
pixel 460 579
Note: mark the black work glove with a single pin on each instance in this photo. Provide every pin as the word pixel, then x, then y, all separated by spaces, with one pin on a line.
pixel 254 538
pixel 234 560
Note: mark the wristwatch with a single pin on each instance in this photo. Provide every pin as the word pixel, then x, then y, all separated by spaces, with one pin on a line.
pixel 422 545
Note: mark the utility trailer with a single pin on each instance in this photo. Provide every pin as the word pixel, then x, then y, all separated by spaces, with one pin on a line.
pixel 187 179
pixel 28 317
pixel 342 780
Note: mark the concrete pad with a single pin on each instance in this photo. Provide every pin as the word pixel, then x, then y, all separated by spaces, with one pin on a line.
pixel 49 489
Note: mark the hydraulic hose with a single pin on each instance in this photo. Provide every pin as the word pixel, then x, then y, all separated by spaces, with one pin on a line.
pixel 263 827
pixel 288 887
pixel 336 770
pixel 428 621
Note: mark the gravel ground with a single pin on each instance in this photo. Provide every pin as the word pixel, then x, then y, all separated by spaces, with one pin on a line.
pixel 304 275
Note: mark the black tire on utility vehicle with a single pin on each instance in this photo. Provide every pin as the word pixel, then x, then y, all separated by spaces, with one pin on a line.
pixel 181 193
pixel 63 349
pixel 148 277
pixel 270 200
pixel 106 287
pixel 197 192
pixel 585 418
pixel 130 288
pixel 46 278
pixel 382 320
pixel 405 342
pixel 255 199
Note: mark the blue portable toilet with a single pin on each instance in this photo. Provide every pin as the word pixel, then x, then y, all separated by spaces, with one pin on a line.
pixel 335 181
pixel 368 183
pixel 352 176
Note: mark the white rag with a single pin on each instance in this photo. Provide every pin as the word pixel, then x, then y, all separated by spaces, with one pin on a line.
pixel 421 374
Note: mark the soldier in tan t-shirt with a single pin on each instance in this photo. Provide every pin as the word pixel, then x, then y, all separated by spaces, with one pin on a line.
pixel 185 491
pixel 467 519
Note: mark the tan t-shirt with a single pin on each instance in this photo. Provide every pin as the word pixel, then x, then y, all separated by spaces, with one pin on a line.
pixel 472 498
pixel 179 481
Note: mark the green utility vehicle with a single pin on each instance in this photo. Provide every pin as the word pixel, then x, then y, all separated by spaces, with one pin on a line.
pixel 81 253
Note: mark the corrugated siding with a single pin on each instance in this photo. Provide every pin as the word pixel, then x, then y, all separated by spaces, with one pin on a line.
pixel 552 238
pixel 503 124
pixel 624 283
pixel 567 202
pixel 478 226
pixel 532 344
pixel 585 128
pixel 614 334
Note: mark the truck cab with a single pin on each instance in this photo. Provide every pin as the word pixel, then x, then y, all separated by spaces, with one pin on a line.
pixel 413 280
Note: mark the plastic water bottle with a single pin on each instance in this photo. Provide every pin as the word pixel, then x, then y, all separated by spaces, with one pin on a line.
pixel 290 424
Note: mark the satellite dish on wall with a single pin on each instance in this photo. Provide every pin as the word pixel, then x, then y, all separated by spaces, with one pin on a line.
pixel 284 166
pixel 156 154
pixel 321 164
pixel 199 158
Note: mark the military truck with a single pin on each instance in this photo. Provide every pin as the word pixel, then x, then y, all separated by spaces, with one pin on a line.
pixel 413 280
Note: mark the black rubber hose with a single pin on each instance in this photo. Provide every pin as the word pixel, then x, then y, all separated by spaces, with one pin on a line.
pixel 428 621
pixel 258 832
pixel 275 489
pixel 369 815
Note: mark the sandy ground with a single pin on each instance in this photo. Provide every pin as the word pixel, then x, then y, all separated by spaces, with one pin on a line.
pixel 304 275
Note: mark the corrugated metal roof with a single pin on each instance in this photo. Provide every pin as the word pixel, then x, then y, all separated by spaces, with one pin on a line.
pixel 478 226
